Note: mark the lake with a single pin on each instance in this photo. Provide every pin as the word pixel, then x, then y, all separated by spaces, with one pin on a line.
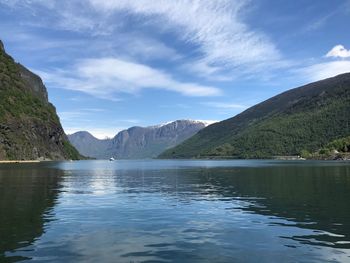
pixel 175 211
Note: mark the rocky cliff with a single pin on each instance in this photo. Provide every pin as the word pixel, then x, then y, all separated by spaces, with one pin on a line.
pixel 29 125
pixel 137 142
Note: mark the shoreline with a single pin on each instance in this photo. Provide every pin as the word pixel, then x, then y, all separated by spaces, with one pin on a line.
pixel 212 159
pixel 20 161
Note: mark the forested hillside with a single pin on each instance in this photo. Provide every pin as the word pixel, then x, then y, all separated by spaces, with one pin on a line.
pixel 305 118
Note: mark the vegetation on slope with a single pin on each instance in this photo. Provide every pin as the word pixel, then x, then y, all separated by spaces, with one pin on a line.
pixel 336 150
pixel 29 125
pixel 306 118
pixel 16 100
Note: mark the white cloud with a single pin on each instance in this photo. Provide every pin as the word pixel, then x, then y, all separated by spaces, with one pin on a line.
pixel 62 14
pixel 105 77
pixel 339 51
pixel 214 26
pixel 325 70
pixel 127 45
pixel 221 43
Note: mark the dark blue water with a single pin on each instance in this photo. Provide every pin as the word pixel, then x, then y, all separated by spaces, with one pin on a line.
pixel 175 211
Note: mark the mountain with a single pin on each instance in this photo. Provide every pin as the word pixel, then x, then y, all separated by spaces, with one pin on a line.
pixel 29 125
pixel 137 142
pixel 301 119
pixel 88 145
pixel 149 142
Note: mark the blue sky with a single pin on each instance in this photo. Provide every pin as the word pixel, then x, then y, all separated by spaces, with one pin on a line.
pixel 112 64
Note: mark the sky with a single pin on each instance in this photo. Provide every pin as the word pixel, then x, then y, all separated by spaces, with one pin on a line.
pixel 112 64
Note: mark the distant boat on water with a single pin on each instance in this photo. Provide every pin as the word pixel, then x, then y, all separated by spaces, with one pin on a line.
pixel 111 159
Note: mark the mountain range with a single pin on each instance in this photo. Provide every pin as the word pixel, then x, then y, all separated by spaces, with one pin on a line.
pixel 309 119
pixel 136 142
pixel 29 126
pixel 302 119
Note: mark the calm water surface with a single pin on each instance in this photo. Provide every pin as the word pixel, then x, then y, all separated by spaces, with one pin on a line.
pixel 175 211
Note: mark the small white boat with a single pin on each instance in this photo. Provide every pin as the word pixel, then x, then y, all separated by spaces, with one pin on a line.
pixel 111 159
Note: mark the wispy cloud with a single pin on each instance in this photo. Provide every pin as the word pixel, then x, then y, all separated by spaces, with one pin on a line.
pixel 134 121
pixel 215 27
pixel 323 19
pixel 67 15
pixel 105 77
pixel 79 115
pixel 220 40
pixel 324 70
pixel 137 45
pixel 68 116
pixel 320 22
pixel 317 24
pixel 327 69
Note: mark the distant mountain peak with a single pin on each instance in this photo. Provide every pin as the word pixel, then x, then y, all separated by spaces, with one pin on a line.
pixel 82 133
pixel 190 121
pixel 137 142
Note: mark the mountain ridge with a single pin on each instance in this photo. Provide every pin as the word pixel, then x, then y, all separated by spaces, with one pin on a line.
pixel 136 142
pixel 303 118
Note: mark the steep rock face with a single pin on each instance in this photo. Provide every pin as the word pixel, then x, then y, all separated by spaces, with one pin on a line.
pixel 305 118
pixel 34 83
pixel 29 125
pixel 2 48
pixel 137 142
pixel 149 142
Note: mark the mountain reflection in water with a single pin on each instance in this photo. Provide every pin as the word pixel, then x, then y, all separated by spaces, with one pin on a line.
pixel 178 211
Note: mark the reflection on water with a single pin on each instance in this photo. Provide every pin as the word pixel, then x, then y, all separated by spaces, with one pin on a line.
pixel 176 211
pixel 27 197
